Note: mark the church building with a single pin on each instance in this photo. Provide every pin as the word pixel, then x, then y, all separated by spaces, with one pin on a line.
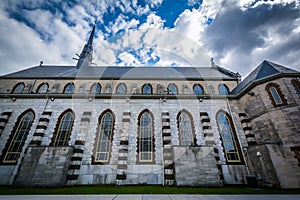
pixel 179 126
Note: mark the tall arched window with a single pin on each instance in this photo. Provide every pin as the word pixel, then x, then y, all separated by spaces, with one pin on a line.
pixel 62 134
pixel 172 89
pixel 145 137
pixel 185 128
pixel 18 137
pixel 121 89
pixel 147 89
pixel 223 89
pixel 104 137
pixel 18 88
pixel 43 88
pixel 296 85
pixel 275 94
pixel 198 90
pixel 69 88
pixel 96 88
pixel 228 137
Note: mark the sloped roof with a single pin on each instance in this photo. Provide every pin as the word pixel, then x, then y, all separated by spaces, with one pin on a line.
pixel 113 72
pixel 265 70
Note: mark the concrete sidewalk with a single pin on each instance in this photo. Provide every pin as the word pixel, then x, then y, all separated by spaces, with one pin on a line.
pixel 149 197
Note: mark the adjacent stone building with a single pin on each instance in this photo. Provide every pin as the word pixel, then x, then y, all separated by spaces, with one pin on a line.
pixel 183 126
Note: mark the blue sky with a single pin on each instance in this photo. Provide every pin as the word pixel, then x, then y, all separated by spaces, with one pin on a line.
pixel 238 34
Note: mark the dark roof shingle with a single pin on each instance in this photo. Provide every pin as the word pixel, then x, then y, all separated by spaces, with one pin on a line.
pixel 123 73
pixel 265 70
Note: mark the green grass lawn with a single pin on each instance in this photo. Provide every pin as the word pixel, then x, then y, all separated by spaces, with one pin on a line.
pixel 141 190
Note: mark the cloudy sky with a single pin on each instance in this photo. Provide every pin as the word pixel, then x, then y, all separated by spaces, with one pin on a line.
pixel 238 34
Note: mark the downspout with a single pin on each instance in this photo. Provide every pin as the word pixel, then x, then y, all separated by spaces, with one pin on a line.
pixel 240 144
pixel 32 86
pixel 162 139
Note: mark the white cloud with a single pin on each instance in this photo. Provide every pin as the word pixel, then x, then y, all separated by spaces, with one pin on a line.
pixel 190 24
pixel 23 48
pixel 235 38
pixel 154 3
pixel 160 47
pixel 153 21
pixel 121 23
pixel 246 4
pixel 127 59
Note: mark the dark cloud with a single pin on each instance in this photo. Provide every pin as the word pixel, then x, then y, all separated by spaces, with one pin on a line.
pixel 268 27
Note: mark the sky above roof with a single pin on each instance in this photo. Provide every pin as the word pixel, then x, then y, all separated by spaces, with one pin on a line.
pixel 238 34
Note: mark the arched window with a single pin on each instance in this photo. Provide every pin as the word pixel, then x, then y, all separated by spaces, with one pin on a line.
pixel 17 139
pixel 104 137
pixel 96 88
pixel 145 137
pixel 296 85
pixel 147 89
pixel 172 89
pixel 43 88
pixel 69 88
pixel 18 88
pixel 275 94
pixel 198 90
pixel 121 89
pixel 185 128
pixel 63 129
pixel 228 137
pixel 223 89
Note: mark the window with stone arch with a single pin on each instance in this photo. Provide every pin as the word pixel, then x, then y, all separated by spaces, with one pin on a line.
pixel 104 137
pixel 121 89
pixel 223 89
pixel 69 88
pixel 172 89
pixel 42 88
pixel 147 89
pixel 16 140
pixel 145 137
pixel 275 95
pixel 95 89
pixel 18 89
pixel 63 130
pixel 198 89
pixel 186 129
pixel 296 85
pixel 228 137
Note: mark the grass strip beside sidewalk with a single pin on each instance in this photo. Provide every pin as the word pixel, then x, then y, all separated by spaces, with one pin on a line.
pixel 139 190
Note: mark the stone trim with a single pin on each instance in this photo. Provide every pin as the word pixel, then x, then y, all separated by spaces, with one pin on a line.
pixel 296 151
pixel 4 117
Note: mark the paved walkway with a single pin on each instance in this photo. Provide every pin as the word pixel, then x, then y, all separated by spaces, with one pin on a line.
pixel 150 197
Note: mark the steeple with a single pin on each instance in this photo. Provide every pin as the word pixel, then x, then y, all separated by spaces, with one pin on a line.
pixel 86 56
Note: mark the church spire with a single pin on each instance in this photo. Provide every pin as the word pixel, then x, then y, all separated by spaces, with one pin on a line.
pixel 86 56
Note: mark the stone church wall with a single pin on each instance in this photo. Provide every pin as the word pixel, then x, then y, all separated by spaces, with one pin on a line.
pixel 276 131
pixel 196 166
pixel 44 166
pixel 90 173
